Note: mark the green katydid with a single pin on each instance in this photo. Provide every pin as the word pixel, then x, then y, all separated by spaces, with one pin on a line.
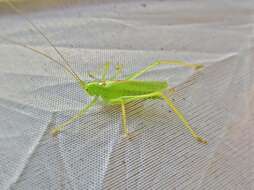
pixel 112 91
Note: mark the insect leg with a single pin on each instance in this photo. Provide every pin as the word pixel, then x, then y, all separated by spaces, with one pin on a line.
pixel 127 99
pixel 119 70
pixel 123 100
pixel 125 129
pixel 92 75
pixel 171 91
pixel 57 130
pixel 182 118
pixel 156 63
pixel 105 72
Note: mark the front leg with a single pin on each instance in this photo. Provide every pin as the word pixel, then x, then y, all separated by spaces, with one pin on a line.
pixel 57 130
pixel 106 71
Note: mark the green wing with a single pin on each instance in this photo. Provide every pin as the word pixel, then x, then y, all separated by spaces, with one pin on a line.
pixel 117 89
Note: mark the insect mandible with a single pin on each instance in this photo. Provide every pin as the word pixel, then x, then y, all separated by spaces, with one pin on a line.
pixel 112 91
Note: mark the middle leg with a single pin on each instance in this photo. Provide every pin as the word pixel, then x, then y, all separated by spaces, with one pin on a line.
pixel 123 101
pixel 124 125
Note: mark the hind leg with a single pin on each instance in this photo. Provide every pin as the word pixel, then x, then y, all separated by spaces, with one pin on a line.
pixel 156 63
pixel 183 119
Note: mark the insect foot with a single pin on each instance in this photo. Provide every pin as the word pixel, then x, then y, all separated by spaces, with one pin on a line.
pixel 55 132
pixel 171 91
pixel 199 66
pixel 130 136
pixel 201 140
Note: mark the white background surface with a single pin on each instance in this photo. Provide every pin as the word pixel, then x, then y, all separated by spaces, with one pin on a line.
pixel 36 95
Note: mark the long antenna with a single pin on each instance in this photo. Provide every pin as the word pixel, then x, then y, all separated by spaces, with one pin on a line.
pixel 45 55
pixel 65 66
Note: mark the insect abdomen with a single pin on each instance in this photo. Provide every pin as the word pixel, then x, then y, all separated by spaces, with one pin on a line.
pixel 116 89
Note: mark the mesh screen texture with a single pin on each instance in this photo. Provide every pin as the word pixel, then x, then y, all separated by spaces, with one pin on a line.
pixel 37 95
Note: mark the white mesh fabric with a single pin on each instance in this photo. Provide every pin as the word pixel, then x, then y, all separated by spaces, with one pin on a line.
pixel 37 95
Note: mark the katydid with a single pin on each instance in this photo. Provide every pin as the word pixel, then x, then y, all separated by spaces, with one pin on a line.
pixel 112 91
